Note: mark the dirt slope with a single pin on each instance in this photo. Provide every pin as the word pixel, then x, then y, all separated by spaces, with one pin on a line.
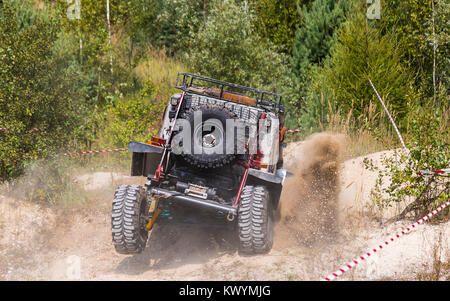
pixel 38 242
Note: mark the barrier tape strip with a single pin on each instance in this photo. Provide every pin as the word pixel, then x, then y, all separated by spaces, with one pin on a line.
pixel 419 172
pixel 390 117
pixel 96 151
pixel 347 267
pixel 440 172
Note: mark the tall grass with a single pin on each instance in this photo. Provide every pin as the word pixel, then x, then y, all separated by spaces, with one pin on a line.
pixel 161 70
pixel 137 116
pixel 367 133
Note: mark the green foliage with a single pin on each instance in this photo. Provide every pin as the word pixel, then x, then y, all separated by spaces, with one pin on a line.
pixel 277 21
pixel 428 142
pixel 134 119
pixel 440 39
pixel 36 88
pixel 363 53
pixel 319 103
pixel 317 33
pixel 227 48
pixel 160 23
pixel 314 39
pixel 412 22
pixel 177 20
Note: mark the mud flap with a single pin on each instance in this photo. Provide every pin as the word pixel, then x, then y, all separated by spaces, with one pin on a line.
pixel 145 159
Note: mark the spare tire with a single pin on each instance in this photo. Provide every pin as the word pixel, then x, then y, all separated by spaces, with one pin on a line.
pixel 208 143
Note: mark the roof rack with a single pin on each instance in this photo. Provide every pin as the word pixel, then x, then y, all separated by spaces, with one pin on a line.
pixel 227 91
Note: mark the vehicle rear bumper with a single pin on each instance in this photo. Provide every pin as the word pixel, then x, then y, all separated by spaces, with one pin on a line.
pixel 193 201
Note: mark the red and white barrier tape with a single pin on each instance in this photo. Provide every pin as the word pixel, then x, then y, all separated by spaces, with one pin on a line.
pixel 292 131
pixel 440 172
pixel 390 118
pixel 419 172
pixel 96 151
pixel 347 267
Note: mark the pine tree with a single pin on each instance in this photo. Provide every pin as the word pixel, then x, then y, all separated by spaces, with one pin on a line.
pixel 363 53
pixel 313 40
pixel 316 34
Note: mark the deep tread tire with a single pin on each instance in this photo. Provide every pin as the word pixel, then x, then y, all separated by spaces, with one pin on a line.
pixel 128 208
pixel 255 221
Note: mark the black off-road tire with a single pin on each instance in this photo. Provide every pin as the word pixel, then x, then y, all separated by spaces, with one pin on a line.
pixel 216 160
pixel 129 209
pixel 255 221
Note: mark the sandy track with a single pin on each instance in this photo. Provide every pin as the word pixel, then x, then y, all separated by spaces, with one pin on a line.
pixel 39 242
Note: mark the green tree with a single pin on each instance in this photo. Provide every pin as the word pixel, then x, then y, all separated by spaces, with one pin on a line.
pixel 177 20
pixel 277 20
pixel 314 38
pixel 412 22
pixel 363 52
pixel 227 48
pixel 341 84
pixel 316 34
pixel 36 87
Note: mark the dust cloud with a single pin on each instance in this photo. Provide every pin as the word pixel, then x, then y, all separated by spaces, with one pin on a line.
pixel 308 204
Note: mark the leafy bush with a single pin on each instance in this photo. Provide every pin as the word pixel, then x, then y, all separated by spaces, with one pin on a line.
pixel 277 20
pixel 428 142
pixel 37 88
pixel 134 119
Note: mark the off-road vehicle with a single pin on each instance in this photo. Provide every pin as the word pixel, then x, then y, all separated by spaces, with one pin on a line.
pixel 216 162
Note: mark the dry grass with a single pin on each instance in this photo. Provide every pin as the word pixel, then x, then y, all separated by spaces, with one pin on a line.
pixel 438 268
pixel 161 71
pixel 156 74
pixel 369 133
